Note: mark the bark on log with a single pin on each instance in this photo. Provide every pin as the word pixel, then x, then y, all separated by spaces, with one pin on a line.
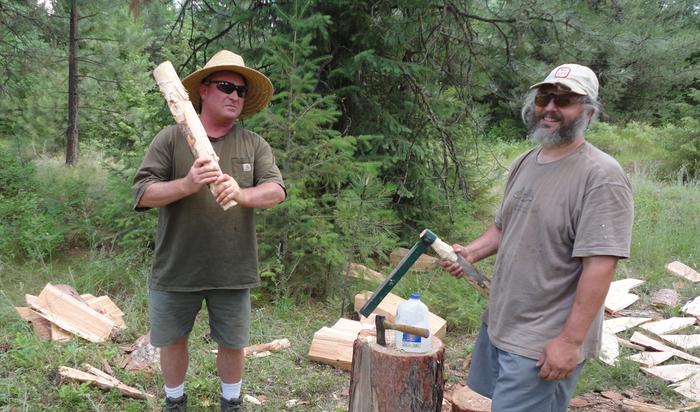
pixel 384 379
pixel 185 116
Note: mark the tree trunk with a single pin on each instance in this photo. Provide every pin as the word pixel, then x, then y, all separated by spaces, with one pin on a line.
pixel 72 131
pixel 384 379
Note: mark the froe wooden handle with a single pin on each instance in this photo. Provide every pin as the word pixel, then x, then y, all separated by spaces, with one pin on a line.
pixel 413 330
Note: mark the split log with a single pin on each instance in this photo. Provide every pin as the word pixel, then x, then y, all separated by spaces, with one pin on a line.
pixel 424 263
pixel 619 297
pixel 103 381
pixel 387 308
pixel 185 116
pixel 630 405
pixel 669 325
pixel 617 325
pixel 275 345
pixel 683 270
pixel 692 307
pixel 333 347
pixel 651 343
pixel 673 373
pixel 610 348
pixel 665 298
pixel 71 314
pixel 650 359
pixel 466 400
pixel 384 379
pixel 41 326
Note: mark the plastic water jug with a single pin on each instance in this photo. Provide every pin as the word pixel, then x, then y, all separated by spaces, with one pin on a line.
pixel 414 313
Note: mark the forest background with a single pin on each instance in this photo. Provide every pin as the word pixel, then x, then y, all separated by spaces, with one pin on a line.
pixel 388 117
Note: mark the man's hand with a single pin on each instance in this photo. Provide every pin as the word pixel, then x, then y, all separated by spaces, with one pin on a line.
pixel 455 268
pixel 559 359
pixel 202 172
pixel 227 189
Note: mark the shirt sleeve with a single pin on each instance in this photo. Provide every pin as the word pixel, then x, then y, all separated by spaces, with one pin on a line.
pixel 156 165
pixel 605 225
pixel 266 169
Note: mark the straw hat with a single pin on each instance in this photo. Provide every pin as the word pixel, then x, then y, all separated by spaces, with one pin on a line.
pixel 259 86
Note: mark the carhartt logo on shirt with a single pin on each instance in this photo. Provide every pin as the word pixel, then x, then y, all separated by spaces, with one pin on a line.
pixel 246 167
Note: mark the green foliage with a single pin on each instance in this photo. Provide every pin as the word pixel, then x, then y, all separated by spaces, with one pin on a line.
pixel 682 144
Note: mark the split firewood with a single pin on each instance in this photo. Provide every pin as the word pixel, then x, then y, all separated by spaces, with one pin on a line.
pixel 610 349
pixel 387 307
pixel 275 345
pixel 686 342
pixel 185 116
pixel 673 373
pixel 669 325
pixel 71 314
pixel 41 326
pixel 619 296
pixel 617 325
pixel 683 270
pixel 650 359
pixel 692 307
pixel 102 380
pixel 690 388
pixel 651 343
pixel 630 405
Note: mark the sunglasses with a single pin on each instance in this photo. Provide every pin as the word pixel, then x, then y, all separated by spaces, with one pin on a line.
pixel 560 100
pixel 228 87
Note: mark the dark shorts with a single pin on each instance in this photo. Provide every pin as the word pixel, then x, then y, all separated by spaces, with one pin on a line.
pixel 172 315
pixel 512 383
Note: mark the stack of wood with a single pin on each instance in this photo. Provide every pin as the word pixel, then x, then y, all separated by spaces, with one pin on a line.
pixel 334 345
pixel 684 377
pixel 60 312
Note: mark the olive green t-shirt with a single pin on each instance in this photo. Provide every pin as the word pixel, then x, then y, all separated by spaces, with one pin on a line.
pixel 552 215
pixel 198 245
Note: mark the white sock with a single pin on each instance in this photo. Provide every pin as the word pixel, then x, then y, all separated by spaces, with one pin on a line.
pixel 231 390
pixel 176 392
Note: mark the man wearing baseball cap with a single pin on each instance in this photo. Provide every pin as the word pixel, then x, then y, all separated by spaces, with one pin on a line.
pixel 564 222
pixel 203 252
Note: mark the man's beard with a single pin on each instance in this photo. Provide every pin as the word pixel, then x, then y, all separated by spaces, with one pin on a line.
pixel 563 135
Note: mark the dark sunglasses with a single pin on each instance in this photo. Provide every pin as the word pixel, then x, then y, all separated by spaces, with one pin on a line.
pixel 228 87
pixel 560 100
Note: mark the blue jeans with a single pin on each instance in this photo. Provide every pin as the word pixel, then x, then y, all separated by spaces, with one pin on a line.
pixel 512 383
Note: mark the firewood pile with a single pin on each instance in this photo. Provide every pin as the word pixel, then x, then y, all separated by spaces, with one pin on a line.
pixel 58 313
pixel 656 338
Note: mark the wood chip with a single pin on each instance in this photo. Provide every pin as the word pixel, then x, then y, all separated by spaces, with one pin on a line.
pixel 684 271
pixel 665 297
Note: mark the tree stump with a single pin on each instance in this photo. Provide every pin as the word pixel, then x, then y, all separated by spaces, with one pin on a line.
pixel 466 400
pixel 384 379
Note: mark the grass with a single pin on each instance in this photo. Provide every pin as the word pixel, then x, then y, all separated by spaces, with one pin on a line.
pixel 666 226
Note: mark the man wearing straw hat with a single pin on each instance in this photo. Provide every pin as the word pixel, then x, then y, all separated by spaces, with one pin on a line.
pixel 202 252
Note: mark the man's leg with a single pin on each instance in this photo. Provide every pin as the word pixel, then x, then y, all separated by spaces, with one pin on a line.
pixel 173 362
pixel 229 363
pixel 519 389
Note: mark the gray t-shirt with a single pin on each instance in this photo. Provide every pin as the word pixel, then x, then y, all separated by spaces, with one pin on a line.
pixel 198 245
pixel 552 215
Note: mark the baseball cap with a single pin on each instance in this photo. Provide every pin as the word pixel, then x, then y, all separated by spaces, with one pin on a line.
pixel 573 77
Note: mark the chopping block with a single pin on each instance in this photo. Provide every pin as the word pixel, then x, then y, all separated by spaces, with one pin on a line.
pixel 384 379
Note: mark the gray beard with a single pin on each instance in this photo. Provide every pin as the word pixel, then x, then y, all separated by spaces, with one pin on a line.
pixel 565 134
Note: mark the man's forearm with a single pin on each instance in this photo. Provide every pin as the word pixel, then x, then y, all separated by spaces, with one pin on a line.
pixel 483 246
pixel 263 196
pixel 598 272
pixel 162 193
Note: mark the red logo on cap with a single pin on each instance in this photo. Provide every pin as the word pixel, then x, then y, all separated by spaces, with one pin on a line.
pixel 562 72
